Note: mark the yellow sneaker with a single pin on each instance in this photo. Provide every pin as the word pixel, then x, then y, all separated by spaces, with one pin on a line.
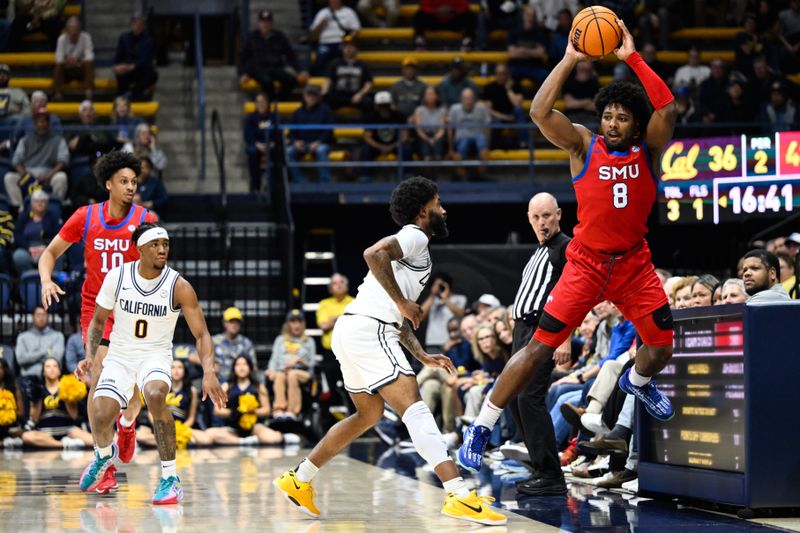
pixel 299 493
pixel 473 508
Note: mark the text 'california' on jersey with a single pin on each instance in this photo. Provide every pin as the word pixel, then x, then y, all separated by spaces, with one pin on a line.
pixel 615 193
pixel 144 312
pixel 411 272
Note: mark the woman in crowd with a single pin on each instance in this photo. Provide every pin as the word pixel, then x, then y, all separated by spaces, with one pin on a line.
pixel 429 120
pixel 682 292
pixel 290 366
pixel 492 357
pixel 122 117
pixel 703 290
pixel 243 427
pixel 144 145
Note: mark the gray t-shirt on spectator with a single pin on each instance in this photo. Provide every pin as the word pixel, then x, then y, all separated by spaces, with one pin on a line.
pixel 286 348
pixel 430 121
pixel 470 124
pixel 439 314
pixel 34 346
pixel 407 95
pixel 13 102
pixel 39 153
pixel 776 293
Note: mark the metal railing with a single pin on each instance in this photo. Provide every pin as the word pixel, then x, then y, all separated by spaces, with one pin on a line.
pixel 201 91
pixel 218 140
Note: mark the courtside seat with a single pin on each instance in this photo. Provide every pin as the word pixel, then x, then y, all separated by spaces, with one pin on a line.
pixel 103 109
pixel 407 34
pixel 28 59
pixel 44 84
pixel 706 33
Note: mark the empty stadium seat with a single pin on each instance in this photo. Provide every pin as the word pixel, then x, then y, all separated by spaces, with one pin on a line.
pixel 103 109
pixel 30 290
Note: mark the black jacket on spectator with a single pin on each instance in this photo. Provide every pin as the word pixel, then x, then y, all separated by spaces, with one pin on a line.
pixel 135 49
pixel 259 128
pixel 49 229
pixel 153 190
pixel 319 114
pixel 498 96
pixel 348 78
pixel 272 51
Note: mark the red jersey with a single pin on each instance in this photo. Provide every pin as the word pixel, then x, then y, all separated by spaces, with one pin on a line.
pixel 107 241
pixel 615 193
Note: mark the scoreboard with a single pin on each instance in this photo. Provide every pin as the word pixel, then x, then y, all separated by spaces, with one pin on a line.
pixel 730 178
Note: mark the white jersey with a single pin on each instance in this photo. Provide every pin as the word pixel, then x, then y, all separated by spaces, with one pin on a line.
pixel 144 312
pixel 411 272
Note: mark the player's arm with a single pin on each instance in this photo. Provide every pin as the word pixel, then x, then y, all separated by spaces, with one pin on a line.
pixel 553 124
pixel 379 259
pixel 411 343
pixel 186 298
pixel 665 114
pixel 47 263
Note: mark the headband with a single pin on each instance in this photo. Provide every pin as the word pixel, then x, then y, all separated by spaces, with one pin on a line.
pixel 151 235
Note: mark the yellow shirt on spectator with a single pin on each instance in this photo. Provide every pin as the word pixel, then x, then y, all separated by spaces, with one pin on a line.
pixel 329 308
pixel 789 285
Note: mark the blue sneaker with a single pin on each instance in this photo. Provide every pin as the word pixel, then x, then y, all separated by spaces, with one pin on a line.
pixel 93 474
pixel 653 399
pixel 168 491
pixel 470 454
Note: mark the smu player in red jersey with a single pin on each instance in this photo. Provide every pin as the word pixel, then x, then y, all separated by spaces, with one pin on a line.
pixel 105 229
pixel 608 259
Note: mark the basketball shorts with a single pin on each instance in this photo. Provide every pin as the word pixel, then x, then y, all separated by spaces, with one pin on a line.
pixel 627 279
pixel 369 353
pixel 121 373
pixel 87 313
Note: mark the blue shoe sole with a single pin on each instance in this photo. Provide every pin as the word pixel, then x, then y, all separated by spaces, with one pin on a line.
pixel 628 390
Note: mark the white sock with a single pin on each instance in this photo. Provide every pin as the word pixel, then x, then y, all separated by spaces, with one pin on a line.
pixel 488 415
pixel 124 422
pixel 249 441
pixel 306 471
pixel 637 379
pixel 290 439
pixel 107 451
pixel 168 469
pixel 456 486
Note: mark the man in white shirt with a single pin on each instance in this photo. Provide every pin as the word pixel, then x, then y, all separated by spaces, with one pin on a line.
pixel 692 74
pixel 74 59
pixel 328 29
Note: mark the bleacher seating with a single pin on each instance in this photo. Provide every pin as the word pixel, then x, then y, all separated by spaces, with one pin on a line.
pixel 103 109
pixel 5 292
pixel 46 84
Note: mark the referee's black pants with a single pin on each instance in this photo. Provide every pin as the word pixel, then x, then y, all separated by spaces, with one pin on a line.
pixel 531 415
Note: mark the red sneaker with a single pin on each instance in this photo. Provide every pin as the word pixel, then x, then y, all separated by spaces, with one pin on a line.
pixel 109 481
pixel 126 440
pixel 570 453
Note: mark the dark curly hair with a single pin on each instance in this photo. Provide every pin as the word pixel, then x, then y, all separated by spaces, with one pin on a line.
pixel 628 95
pixel 409 197
pixel 113 162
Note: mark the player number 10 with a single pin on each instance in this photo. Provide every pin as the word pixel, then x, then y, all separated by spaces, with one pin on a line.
pixel 116 260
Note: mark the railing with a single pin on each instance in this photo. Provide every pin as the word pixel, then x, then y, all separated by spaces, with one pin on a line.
pixel 201 91
pixel 245 20
pixel 218 140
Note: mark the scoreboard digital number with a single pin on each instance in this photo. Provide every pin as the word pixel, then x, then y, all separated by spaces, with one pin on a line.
pixel 725 179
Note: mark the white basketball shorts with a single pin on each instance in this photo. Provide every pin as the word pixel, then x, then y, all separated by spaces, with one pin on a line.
pixel 120 374
pixel 369 353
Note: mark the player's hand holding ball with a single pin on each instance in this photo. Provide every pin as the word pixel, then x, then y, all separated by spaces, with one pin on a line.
pixel 627 47
pixel 595 32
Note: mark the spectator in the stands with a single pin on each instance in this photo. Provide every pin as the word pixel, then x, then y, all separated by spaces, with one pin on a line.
pixel 504 101
pixel 348 80
pixel 492 358
pixel 454 15
pixel 760 274
pixel 259 138
pixel 788 276
pixel 369 11
pixel 390 139
pixel 123 119
pixel 780 111
pixel 293 358
pixel 501 15
pixel 789 23
pixel 747 46
pixel 548 10
pixel 34 231
pixel 308 141
pixel 436 387
pixel 330 26
pixel 768 28
pixel 682 292
pixel 559 37
pixel 74 60
pixel 25 125
pixel 687 111
pixel 733 291
pixel 484 305
pixel 6 239
pixel 579 92
pixel 650 56
pixel 703 290
pixel 15 104
pixel 655 21
pixel 267 57
pixel 691 74
pixel 713 90
pixel 735 107
pixel 527 49
pixel 791 245
pixel 429 120
pixel 33 347
pixel 144 144
pixel 85 146
pixel 331 308
pixel 454 83
pixel 439 307
pixel 75 352
pixel 230 344
pixel 133 62
pixel 759 87
pixel 150 190
pixel 407 92
pixel 33 16
pixel 40 160
pixel 468 130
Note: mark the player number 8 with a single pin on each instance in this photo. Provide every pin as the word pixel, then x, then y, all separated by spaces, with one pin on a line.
pixel 620 191
pixel 140 329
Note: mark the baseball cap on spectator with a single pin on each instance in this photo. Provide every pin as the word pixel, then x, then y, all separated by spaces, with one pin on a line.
pixel 794 238
pixel 312 89
pixel 294 314
pixel 409 61
pixel 383 98
pixel 265 14
pixel 232 313
pixel 489 299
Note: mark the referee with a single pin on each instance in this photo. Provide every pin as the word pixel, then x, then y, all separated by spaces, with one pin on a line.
pixel 529 411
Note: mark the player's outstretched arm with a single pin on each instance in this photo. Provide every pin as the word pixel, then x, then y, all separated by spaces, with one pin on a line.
pixel 186 298
pixel 379 259
pixel 553 124
pixel 47 263
pixel 665 115
pixel 411 343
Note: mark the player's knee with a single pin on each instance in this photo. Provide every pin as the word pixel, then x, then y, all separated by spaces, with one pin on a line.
pixel 156 398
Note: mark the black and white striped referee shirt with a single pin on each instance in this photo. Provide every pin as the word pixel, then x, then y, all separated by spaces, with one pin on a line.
pixel 540 276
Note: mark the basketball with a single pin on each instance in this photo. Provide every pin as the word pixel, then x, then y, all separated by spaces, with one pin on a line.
pixel 595 31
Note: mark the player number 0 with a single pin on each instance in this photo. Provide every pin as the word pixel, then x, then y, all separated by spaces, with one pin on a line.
pixel 620 191
pixel 140 329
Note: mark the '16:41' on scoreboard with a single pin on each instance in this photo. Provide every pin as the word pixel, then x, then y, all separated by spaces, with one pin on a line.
pixel 725 179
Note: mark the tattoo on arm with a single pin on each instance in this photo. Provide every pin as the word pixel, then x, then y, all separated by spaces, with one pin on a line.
pixel 95 336
pixel 379 259
pixel 409 340
pixel 165 438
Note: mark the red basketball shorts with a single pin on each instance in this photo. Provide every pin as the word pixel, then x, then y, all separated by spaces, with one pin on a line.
pixel 628 280
pixel 87 313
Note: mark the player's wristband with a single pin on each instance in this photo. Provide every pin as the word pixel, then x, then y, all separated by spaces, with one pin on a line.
pixel 658 92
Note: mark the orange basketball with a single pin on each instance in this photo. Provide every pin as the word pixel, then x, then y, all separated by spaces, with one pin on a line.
pixel 595 31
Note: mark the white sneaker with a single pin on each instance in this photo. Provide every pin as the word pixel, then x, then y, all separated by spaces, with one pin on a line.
pixel 515 452
pixel 291 439
pixel 71 444
pixel 12 442
pixel 252 440
pixel 595 480
pixel 632 485
pixel 594 423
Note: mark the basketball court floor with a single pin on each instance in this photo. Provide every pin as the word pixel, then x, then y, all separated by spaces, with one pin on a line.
pixel 370 488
